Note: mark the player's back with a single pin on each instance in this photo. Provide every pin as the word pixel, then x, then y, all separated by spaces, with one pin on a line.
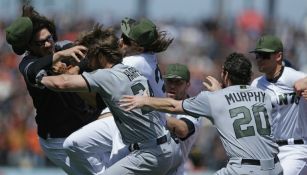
pixel 136 125
pixel 242 116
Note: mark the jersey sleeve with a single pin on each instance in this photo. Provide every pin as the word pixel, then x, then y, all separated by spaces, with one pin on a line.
pixel 198 106
pixel 32 67
pixel 293 76
pixel 100 81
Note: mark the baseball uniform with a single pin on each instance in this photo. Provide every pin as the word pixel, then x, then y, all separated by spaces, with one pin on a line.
pixel 87 156
pixel 150 143
pixel 242 118
pixel 187 143
pixel 289 119
pixel 55 119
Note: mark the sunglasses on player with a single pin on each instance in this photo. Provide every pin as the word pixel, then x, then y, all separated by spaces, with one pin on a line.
pixel 263 55
pixel 41 43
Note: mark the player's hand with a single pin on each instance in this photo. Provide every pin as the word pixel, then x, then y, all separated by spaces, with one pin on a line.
pixel 131 102
pixel 59 67
pixel 213 84
pixel 76 52
pixel 300 87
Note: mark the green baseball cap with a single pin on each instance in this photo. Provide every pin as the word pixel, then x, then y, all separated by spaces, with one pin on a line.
pixel 268 44
pixel 19 33
pixel 177 71
pixel 143 32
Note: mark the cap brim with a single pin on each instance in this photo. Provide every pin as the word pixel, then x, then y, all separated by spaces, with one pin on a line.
pixel 173 77
pixel 262 50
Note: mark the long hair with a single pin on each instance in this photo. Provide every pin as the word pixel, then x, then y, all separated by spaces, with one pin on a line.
pixel 39 22
pixel 159 45
pixel 101 41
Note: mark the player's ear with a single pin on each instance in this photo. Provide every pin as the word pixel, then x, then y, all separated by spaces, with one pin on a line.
pixel 278 56
pixel 225 78
pixel 140 49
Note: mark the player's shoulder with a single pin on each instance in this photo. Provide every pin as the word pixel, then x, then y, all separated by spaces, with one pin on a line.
pixel 134 59
pixel 291 75
pixel 257 80
pixel 141 58
pixel 290 72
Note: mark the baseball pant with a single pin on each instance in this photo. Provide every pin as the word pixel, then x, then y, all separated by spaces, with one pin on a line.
pixel 234 166
pixel 293 159
pixel 53 149
pixel 95 147
pixel 157 159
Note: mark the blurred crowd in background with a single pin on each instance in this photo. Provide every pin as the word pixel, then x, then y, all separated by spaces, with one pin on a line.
pixel 202 46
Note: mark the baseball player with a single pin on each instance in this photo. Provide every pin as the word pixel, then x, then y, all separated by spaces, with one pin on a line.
pixel 177 82
pixel 58 114
pixel 87 155
pixel 289 110
pixel 150 144
pixel 240 113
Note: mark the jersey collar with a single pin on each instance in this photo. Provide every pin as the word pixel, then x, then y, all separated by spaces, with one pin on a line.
pixel 274 80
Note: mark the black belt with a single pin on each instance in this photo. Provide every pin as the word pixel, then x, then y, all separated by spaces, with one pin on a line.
pixel 136 146
pixel 285 142
pixel 255 161
pixel 46 135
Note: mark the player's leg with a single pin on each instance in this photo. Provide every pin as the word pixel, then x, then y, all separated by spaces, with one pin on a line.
pixel 151 161
pixel 119 149
pixel 293 159
pixel 53 149
pixel 177 160
pixel 89 148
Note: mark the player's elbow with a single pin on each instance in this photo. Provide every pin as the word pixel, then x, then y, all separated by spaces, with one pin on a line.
pixel 182 129
pixel 175 107
pixel 182 133
pixel 59 85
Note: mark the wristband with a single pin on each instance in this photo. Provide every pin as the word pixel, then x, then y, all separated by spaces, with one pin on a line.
pixel 191 128
pixel 39 77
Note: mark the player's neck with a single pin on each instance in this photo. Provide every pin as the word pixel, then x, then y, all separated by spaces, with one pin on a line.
pixel 109 65
pixel 275 74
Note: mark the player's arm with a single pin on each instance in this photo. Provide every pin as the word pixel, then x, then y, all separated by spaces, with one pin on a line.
pixel 65 82
pixel 182 128
pixel 32 67
pixel 168 105
pixel 300 87
pixel 212 84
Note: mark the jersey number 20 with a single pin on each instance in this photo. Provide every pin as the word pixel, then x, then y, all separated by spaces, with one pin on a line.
pixel 263 127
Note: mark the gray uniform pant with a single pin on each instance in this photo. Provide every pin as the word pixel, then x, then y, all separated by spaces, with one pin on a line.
pixel 155 160
pixel 266 167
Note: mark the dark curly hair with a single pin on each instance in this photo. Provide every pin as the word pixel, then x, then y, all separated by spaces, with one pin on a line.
pixel 39 22
pixel 101 41
pixel 239 69
pixel 159 45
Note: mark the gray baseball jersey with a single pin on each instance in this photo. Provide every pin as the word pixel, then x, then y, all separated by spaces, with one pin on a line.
pixel 289 111
pixel 242 116
pixel 137 125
